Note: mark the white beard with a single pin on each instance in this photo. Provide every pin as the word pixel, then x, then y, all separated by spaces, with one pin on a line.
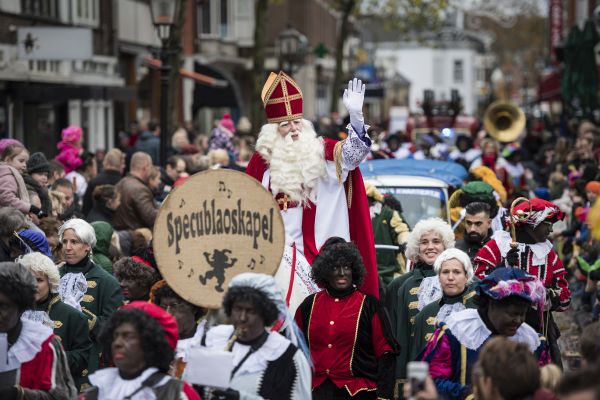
pixel 295 166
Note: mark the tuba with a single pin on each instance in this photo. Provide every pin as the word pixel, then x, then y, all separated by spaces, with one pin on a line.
pixel 504 121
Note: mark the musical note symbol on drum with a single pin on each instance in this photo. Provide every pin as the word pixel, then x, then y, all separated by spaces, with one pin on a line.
pixel 223 188
pixel 191 273
pixel 180 264
pixel 252 264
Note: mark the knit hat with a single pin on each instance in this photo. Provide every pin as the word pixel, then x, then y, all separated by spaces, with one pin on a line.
pixel 535 211
pixel 164 319
pixel 593 186
pixel 71 134
pixel 37 163
pixel 4 143
pixel 227 123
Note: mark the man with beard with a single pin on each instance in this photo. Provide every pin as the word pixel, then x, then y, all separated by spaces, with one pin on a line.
pixel 316 183
pixel 478 228
pixel 534 254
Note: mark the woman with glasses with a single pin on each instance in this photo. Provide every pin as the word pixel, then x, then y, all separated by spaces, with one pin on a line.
pixel 348 332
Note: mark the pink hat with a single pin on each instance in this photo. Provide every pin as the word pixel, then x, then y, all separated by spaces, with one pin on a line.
pixel 4 143
pixel 71 134
pixel 227 123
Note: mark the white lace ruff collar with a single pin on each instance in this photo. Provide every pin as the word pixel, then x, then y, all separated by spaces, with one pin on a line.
pixel 111 386
pixel 470 330
pixel 540 250
pixel 29 343
pixel 273 348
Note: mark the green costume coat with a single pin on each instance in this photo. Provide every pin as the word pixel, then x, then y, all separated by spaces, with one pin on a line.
pixel 392 296
pixel 425 320
pixel 383 233
pixel 102 298
pixel 71 326
pixel 407 311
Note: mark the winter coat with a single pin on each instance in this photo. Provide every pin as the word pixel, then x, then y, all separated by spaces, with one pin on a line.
pixel 100 254
pixel 41 191
pixel 137 209
pixel 148 143
pixel 13 191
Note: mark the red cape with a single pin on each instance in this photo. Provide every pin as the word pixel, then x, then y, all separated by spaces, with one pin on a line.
pixel 361 230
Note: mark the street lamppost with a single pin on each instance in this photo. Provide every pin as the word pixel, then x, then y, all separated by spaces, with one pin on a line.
pixel 164 15
pixel 292 47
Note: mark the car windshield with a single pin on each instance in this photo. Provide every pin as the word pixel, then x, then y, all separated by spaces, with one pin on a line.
pixel 419 203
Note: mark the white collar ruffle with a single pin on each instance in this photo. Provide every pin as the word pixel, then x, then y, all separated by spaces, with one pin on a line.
pixel 470 330
pixel 540 250
pixel 28 345
pixel 271 350
pixel 430 290
pixel 111 386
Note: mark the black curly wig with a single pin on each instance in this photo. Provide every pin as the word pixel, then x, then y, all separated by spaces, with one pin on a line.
pixel 337 252
pixel 18 284
pixel 157 351
pixel 128 268
pixel 265 307
pixel 165 291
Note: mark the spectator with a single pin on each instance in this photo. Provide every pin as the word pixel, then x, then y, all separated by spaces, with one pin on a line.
pixel 112 170
pixel 11 221
pixel 81 175
pixel 57 171
pixel 69 324
pixel 590 344
pixel 149 142
pixel 13 191
pixel 136 277
pixel 218 158
pixel 86 284
pixel 550 375
pixel 180 143
pixel 70 203
pixel 172 171
pixel 137 209
pixel 579 385
pixel 101 251
pixel 506 370
pixel 140 339
pixel 106 200
pixel 36 179
pixel 35 201
pixel 58 203
pixel 36 358
pixel 221 137
pixel 50 227
pixel 70 149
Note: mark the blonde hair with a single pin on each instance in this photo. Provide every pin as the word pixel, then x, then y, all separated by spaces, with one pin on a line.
pixel 57 198
pixel 154 172
pixel 218 157
pixel 13 150
pixel 39 263
pixel 550 375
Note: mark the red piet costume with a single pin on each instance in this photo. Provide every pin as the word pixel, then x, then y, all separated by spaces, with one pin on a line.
pixel 40 363
pixel 348 338
pixel 340 208
pixel 538 259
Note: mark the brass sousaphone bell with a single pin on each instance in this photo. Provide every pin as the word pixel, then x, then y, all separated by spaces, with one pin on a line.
pixel 504 121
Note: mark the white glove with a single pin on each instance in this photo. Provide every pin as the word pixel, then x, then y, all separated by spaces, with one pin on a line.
pixel 354 98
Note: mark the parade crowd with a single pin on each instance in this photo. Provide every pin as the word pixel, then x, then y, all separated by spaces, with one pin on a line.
pixel 476 297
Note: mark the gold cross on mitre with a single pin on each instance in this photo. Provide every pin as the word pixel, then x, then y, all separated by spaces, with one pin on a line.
pixel 284 200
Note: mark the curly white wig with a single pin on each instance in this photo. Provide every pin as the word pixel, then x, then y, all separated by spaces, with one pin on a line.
pixel 38 262
pixel 425 226
pixel 83 231
pixel 458 255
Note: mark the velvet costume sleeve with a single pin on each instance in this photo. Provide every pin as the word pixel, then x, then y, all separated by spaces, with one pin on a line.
pixel 487 258
pixel 438 354
pixel 559 293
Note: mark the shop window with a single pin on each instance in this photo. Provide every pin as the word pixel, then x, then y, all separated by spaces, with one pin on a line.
pixel 85 12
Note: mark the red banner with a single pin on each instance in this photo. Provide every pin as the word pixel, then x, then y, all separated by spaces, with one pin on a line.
pixel 556 26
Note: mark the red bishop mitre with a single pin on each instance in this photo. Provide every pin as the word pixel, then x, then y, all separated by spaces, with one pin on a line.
pixel 282 98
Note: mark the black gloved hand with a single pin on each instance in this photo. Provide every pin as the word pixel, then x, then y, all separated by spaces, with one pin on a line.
pixel 228 394
pixel 595 275
pixel 512 257
pixel 35 210
pixel 11 393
